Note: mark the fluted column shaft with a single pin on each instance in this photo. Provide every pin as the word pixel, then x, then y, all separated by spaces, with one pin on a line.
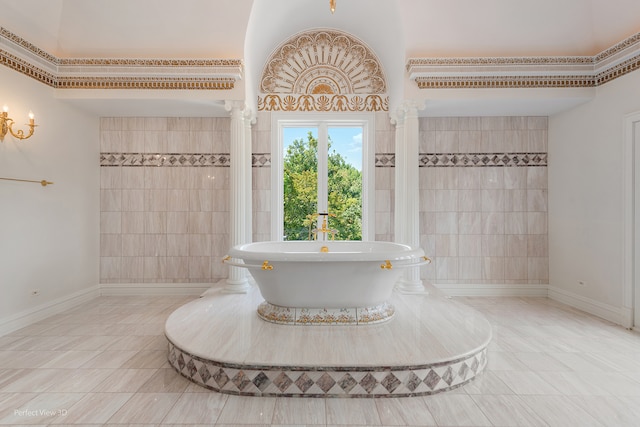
pixel 240 190
pixel 407 200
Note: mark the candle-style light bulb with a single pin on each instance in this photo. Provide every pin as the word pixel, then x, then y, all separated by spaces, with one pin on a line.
pixel 31 115
pixel 5 108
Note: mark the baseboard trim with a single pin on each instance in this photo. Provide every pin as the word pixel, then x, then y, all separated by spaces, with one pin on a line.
pixel 33 315
pixel 30 316
pixel 606 311
pixel 618 315
pixel 153 289
pixel 627 317
pixel 493 290
pixel 8 324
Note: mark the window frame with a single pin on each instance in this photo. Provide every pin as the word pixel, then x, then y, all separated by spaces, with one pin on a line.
pixel 322 121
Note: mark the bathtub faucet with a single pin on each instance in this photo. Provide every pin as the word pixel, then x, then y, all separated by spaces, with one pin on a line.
pixel 324 229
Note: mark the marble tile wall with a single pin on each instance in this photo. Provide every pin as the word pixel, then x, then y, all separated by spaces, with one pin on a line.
pixel 478 222
pixel 164 218
pixel 261 176
pixel 385 139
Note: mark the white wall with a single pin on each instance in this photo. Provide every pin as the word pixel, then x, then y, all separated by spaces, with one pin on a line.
pixel 49 236
pixel 585 195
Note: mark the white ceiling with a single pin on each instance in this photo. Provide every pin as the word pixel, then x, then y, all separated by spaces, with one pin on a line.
pixel 251 29
pixel 217 28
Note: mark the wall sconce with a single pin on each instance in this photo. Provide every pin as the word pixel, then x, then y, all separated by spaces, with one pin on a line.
pixel 6 125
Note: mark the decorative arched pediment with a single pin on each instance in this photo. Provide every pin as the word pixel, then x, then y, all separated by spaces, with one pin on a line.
pixel 323 70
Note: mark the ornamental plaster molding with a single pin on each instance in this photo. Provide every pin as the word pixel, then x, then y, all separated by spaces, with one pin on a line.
pixel 527 72
pixel 102 73
pixel 323 62
pixel 323 70
pixel 323 103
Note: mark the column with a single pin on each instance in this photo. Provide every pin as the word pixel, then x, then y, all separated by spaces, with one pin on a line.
pixel 407 201
pixel 249 120
pixel 240 191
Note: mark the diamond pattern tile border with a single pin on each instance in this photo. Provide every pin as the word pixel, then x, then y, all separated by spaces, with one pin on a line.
pixel 347 381
pixel 382 160
pixel 258 160
pixel 482 159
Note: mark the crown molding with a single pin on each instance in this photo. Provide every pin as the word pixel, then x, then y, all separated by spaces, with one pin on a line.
pixel 222 74
pixel 96 73
pixel 527 72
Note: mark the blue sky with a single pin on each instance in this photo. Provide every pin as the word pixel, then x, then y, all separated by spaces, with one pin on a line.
pixel 346 140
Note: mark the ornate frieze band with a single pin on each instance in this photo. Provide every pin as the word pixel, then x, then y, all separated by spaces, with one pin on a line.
pixel 324 103
pixel 91 73
pixel 306 381
pixel 26 68
pixel 527 72
pixel 364 76
pixel 143 83
pixel 507 82
pixel 618 70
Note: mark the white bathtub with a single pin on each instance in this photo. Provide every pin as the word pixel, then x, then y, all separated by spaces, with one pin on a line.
pixel 326 275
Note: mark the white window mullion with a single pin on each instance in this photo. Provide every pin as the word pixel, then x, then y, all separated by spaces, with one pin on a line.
pixel 323 151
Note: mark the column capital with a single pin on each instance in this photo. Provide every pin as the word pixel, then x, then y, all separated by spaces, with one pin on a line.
pixel 235 106
pixel 410 107
pixel 406 109
pixel 249 116
pixel 397 117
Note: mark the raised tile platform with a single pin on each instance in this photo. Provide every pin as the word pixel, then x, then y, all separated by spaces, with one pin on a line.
pixel 432 344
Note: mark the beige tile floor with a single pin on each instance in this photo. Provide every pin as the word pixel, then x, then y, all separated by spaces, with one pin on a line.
pixel 105 364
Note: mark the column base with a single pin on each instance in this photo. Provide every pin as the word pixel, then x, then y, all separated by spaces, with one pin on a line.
pixel 410 283
pixel 236 287
pixel 410 287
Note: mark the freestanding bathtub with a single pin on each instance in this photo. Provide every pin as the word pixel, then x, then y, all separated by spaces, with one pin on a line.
pixel 325 282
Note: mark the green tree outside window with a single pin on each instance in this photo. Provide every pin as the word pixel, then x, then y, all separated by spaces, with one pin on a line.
pixel 344 186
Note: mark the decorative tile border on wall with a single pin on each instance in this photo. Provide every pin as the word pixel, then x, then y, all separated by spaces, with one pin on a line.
pixel 164 159
pixel 261 160
pixel 482 159
pixel 385 160
pixel 388 160
pixel 304 381
pixel 381 159
pixel 258 160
